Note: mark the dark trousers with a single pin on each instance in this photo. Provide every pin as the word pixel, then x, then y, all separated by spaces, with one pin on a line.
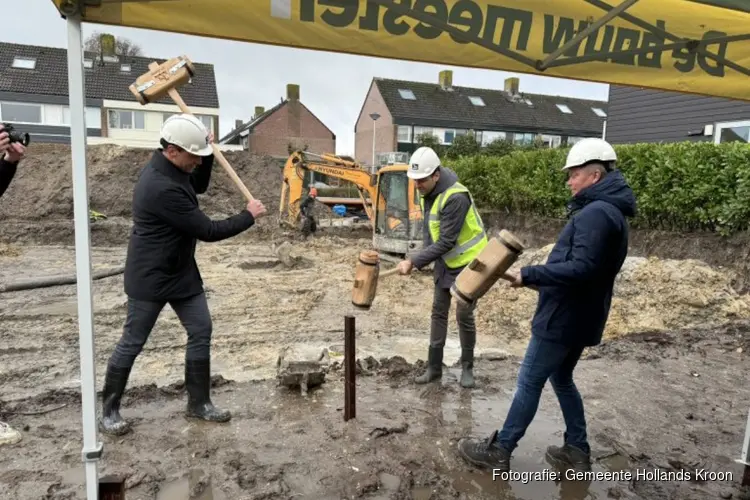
pixel 142 315
pixel 556 362
pixel 441 304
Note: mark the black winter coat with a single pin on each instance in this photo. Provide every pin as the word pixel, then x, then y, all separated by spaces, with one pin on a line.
pixel 7 172
pixel 167 223
pixel 576 283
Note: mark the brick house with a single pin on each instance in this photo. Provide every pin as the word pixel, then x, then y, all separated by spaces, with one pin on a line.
pixel 34 96
pixel 403 110
pixel 289 124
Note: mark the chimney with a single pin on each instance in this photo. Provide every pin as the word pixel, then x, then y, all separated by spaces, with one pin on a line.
pixel 107 44
pixel 292 92
pixel 237 123
pixel 511 85
pixel 259 110
pixel 446 79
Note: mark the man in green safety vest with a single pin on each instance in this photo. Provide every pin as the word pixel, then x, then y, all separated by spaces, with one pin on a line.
pixel 453 235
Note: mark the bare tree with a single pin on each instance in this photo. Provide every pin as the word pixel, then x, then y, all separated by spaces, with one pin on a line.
pixel 123 46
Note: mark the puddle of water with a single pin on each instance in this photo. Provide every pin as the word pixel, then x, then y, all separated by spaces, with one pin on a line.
pixel 478 415
pixel 421 493
pixel 615 462
pixel 194 486
pixel 75 475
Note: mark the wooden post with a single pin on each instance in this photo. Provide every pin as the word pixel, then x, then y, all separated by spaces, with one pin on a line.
pixel 349 369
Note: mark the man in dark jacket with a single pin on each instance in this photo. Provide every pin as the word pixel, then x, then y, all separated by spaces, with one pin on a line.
pixel 575 292
pixel 160 267
pixel 453 236
pixel 10 154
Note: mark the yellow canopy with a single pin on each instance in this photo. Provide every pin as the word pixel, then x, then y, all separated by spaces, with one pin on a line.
pixel 697 46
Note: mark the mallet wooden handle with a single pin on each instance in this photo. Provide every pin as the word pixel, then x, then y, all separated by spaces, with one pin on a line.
pixel 217 152
pixel 388 272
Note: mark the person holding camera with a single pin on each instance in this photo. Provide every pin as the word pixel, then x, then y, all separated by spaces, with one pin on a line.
pixel 10 154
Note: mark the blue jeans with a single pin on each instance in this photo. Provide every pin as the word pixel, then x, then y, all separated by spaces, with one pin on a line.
pixel 546 360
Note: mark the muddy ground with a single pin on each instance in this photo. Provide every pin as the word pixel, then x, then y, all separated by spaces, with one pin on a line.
pixel 665 391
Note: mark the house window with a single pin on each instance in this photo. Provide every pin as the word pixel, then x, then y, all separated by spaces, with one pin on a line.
pixel 17 112
pixel 572 140
pixel 551 141
pixel 424 131
pixel 93 117
pixel 407 94
pixel 124 119
pixel 404 133
pixel 523 139
pixel 207 121
pixel 88 63
pixel 448 136
pixel 488 136
pixel 729 132
pixel 564 109
pixel 125 68
pixel 476 100
pixel 24 62
pixel 599 112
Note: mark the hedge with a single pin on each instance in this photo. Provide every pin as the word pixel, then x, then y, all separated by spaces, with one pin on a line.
pixel 680 186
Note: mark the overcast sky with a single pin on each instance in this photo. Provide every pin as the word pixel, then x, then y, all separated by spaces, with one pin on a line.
pixel 250 75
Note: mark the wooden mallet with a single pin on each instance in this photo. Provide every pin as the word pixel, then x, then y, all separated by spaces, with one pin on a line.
pixel 163 79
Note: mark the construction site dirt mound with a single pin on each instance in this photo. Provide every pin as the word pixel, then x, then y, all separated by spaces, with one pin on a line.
pixel 43 189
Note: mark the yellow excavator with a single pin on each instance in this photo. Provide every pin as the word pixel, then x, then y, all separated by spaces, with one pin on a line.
pixel 389 198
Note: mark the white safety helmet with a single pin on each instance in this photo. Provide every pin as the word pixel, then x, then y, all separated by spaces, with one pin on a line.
pixel 423 163
pixel 590 149
pixel 187 132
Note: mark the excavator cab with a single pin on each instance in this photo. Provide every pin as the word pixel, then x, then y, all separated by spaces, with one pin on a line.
pixel 398 216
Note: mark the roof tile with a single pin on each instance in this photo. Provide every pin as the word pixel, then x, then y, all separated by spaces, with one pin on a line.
pixel 50 76
pixel 436 107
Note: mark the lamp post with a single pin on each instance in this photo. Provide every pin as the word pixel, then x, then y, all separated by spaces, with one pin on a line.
pixel 374 117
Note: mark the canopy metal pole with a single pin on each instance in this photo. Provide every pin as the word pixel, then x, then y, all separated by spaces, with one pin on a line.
pixel 92 449
pixel 745 458
pixel 586 32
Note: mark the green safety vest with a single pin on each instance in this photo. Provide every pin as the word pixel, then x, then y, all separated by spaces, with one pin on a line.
pixel 472 238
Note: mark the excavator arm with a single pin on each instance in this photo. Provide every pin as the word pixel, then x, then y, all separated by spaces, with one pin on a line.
pixel 301 162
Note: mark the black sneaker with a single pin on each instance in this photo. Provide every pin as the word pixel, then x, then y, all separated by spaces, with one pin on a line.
pixel 486 454
pixel 568 457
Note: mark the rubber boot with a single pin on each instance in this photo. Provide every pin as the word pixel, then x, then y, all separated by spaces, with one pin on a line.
pixel 198 385
pixel 114 386
pixel 434 366
pixel 467 368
